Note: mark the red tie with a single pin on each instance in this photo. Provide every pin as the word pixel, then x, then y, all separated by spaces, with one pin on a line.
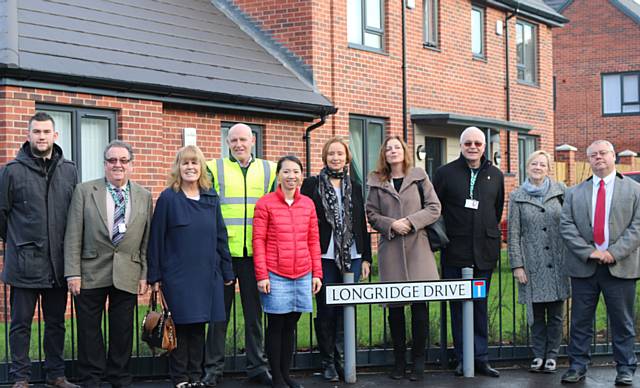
pixel 598 222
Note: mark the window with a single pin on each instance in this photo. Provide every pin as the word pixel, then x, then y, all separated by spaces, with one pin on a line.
pixel 257 132
pixel 431 23
pixel 621 93
pixel 526 146
pixel 477 32
pixel 526 52
pixel 83 135
pixel 365 138
pixel 365 23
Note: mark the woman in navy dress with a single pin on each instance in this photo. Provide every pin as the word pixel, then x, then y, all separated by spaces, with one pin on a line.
pixel 189 257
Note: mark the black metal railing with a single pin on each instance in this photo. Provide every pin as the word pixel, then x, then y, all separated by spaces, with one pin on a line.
pixel 508 334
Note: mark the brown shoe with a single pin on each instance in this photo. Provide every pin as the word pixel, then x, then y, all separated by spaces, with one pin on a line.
pixel 21 384
pixel 61 382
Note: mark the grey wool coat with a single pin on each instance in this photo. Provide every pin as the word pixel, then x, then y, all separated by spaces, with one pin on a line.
pixel 536 245
pixel 409 257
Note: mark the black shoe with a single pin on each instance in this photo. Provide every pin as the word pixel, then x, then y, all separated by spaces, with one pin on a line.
pixel 417 371
pixel 398 372
pixel 330 373
pixel 292 383
pixel 211 380
pixel 573 376
pixel 263 378
pixel 417 374
pixel 459 371
pixel 484 368
pixel 340 370
pixel 624 378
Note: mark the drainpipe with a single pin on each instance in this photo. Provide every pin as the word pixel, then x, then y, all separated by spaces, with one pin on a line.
pixel 508 81
pixel 307 140
pixel 405 131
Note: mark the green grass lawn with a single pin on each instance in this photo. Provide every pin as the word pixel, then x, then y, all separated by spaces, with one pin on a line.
pixel 507 322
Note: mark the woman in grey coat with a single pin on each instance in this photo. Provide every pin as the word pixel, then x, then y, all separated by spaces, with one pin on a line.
pixel 394 209
pixel 537 252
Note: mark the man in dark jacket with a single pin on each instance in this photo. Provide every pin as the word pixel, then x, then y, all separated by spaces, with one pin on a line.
pixel 471 191
pixel 35 192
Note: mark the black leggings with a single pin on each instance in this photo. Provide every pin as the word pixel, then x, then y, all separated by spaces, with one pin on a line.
pixel 279 345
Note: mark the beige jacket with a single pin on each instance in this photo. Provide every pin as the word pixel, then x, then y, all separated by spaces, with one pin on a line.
pixel 409 257
pixel 88 250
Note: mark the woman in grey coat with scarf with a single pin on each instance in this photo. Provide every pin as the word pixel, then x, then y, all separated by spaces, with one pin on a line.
pixel 537 252
pixel 394 209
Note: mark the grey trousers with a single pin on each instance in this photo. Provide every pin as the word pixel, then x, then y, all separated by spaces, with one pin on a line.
pixel 546 331
pixel 252 312
pixel 619 297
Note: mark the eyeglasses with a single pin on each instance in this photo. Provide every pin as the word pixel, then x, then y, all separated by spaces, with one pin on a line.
pixel 602 153
pixel 114 161
pixel 478 144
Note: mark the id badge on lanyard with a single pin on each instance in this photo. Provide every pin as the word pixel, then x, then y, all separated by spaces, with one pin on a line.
pixel 471 203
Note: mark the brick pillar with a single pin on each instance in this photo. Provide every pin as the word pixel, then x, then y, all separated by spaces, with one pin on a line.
pixel 567 154
pixel 628 157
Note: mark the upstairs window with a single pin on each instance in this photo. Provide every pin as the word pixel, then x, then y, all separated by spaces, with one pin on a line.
pixel 365 23
pixel 431 23
pixel 477 32
pixel 526 52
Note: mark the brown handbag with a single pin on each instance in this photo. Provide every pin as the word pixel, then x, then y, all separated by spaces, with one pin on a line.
pixel 158 329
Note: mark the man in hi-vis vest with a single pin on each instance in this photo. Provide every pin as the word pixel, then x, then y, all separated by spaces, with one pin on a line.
pixel 240 181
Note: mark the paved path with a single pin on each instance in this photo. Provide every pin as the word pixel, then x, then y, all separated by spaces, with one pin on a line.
pixel 511 377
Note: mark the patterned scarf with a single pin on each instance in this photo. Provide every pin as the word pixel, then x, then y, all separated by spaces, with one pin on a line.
pixel 340 218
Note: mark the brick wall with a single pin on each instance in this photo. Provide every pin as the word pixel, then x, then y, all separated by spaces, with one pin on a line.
pixel 444 79
pixel 598 39
pixel 152 128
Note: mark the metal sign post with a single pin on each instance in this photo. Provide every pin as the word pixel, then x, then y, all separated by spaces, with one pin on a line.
pixel 467 330
pixel 349 314
pixel 350 294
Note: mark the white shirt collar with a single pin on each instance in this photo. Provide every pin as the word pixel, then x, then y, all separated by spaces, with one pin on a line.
pixel 607 180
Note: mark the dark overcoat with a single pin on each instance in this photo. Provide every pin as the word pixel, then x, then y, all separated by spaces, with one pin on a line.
pixel 188 252
pixel 33 216
pixel 474 235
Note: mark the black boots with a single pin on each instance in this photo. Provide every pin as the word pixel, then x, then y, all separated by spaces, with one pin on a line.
pixel 399 340
pixel 419 333
pixel 398 337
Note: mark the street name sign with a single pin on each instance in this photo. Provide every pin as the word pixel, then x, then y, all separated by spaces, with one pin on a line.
pixel 404 292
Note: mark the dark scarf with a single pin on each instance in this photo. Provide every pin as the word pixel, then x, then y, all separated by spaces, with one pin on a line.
pixel 339 219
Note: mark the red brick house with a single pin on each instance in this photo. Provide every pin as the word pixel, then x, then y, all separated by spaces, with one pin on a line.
pixel 484 63
pixel 596 62
pixel 155 74
pixel 151 73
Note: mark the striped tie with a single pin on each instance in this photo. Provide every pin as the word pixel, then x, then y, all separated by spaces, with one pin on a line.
pixel 118 218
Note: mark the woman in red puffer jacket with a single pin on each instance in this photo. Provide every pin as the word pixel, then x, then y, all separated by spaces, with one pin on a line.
pixel 286 256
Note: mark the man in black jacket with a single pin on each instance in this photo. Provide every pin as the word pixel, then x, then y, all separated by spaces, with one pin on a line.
pixel 35 192
pixel 471 191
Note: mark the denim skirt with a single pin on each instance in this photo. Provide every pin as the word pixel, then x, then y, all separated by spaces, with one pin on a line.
pixel 288 295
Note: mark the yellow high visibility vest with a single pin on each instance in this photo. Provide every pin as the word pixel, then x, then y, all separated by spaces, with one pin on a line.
pixel 238 197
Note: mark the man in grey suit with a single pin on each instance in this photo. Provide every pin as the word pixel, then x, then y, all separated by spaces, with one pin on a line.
pixel 106 256
pixel 600 224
